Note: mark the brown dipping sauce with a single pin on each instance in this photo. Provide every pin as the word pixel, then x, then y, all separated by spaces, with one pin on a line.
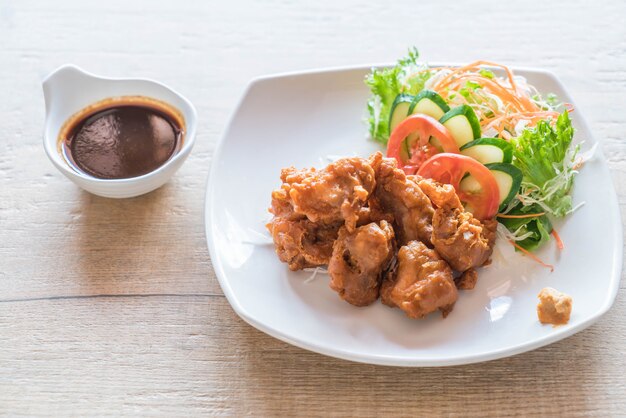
pixel 122 137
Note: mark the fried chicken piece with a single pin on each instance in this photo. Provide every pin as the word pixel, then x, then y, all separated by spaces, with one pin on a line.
pixel 421 283
pixel 441 195
pixel 370 214
pixel 358 261
pixel 311 205
pixel 336 193
pixel 462 240
pixel 281 205
pixel 401 197
pixel 302 243
pixel 467 280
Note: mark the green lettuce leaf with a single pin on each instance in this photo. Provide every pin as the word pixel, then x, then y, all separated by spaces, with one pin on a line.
pixel 385 84
pixel 544 155
pixel 536 230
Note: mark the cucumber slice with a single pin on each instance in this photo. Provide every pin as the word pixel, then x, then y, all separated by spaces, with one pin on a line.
pixel 489 150
pixel 508 177
pixel 429 103
pixel 399 110
pixel 462 124
pixel 469 184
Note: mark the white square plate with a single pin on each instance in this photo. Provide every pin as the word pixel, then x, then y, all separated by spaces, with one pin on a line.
pixel 299 119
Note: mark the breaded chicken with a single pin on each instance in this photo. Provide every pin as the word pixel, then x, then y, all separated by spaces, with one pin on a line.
pixel 459 238
pixel 358 261
pixel 462 240
pixel 402 198
pixel 355 213
pixel 311 205
pixel 441 195
pixel 467 280
pixel 421 283
pixel 336 193
pixel 302 243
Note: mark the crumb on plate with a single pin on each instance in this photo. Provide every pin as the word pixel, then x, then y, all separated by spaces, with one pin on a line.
pixel 554 307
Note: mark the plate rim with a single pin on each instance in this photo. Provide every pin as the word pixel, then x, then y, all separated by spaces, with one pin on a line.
pixel 385 360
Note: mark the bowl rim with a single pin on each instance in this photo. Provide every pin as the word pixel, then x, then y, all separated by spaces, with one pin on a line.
pixel 190 119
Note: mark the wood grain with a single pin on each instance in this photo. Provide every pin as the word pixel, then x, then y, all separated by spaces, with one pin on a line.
pixel 112 307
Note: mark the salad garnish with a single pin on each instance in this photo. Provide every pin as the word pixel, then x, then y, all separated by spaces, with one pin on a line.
pixel 442 116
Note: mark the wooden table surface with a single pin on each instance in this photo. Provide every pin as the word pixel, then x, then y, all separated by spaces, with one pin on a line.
pixel 112 307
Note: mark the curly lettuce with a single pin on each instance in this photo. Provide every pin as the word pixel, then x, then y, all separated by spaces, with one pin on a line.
pixel 547 160
pixel 544 155
pixel 385 84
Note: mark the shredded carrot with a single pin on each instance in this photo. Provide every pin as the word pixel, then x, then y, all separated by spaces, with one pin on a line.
pixel 528 215
pixel 444 81
pixel 509 73
pixel 473 66
pixel 531 255
pixel 557 238
pixel 522 100
pixel 531 116
pixel 518 105
pixel 524 115
pixel 493 86
pixel 448 80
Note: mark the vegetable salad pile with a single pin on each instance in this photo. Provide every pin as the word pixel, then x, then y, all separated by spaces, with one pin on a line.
pixel 505 147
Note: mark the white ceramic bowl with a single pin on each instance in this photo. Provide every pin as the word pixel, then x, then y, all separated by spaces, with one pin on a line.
pixel 70 89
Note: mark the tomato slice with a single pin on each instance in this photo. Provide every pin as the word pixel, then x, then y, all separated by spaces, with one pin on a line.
pixel 411 151
pixel 451 168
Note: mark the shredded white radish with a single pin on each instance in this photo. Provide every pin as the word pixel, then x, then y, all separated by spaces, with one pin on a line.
pixel 314 272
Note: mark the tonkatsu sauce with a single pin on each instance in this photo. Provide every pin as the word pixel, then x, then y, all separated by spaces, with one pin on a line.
pixel 122 138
